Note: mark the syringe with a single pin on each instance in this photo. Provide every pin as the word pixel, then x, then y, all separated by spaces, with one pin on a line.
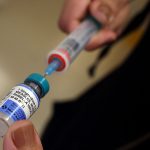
pixel 64 54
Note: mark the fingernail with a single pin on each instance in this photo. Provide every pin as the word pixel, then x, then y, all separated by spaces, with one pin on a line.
pixel 24 137
pixel 105 13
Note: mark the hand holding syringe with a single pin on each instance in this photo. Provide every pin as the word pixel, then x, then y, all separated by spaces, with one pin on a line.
pixel 24 99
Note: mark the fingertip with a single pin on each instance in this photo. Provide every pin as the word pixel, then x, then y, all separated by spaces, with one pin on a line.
pixel 8 141
pixel 21 135
pixel 67 25
pixel 72 13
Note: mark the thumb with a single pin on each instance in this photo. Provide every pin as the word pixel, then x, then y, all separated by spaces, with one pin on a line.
pixel 22 136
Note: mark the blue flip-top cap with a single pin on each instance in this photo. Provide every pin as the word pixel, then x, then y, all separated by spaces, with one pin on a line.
pixel 39 80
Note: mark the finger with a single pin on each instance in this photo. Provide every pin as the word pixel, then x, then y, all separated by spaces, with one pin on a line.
pixel 103 37
pixel 73 12
pixel 121 20
pixel 101 11
pixel 112 29
pixel 106 10
pixel 22 136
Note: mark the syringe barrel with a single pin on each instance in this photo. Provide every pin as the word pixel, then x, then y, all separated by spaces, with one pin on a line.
pixel 74 43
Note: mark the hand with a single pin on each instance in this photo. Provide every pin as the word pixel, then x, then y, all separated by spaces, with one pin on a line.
pixel 22 136
pixel 112 13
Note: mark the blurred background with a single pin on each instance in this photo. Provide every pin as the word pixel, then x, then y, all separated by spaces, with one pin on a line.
pixel 28 31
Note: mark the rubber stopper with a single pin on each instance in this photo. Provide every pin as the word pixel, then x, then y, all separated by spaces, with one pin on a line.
pixel 39 80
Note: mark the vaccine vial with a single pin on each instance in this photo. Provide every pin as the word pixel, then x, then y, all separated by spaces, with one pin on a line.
pixel 22 101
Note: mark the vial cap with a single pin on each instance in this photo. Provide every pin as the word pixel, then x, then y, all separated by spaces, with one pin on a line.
pixel 39 80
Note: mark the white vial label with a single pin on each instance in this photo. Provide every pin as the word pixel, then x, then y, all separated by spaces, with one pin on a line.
pixel 20 103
